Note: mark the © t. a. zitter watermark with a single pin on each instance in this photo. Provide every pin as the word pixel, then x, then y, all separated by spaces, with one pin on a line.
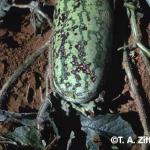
pixel 130 140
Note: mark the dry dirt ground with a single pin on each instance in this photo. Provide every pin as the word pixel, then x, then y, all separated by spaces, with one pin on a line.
pixel 18 41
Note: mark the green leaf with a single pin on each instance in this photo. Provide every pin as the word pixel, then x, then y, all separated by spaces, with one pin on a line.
pixel 107 125
pixel 26 135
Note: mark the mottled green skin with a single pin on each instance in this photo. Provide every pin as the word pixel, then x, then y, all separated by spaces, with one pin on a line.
pixel 81 46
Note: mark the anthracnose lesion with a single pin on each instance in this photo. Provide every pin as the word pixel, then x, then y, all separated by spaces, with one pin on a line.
pixel 80 47
pixel 63 29
pixel 77 4
pixel 83 67
pixel 68 84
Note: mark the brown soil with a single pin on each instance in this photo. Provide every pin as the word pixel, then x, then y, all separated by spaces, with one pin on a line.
pixel 15 47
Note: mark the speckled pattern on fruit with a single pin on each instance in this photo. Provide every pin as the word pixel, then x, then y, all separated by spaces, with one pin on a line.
pixel 80 49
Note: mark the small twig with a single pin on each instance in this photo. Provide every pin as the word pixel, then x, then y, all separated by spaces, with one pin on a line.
pixel 72 136
pixel 8 142
pixel 28 62
pixel 50 146
pixel 137 97
pixel 43 114
pixel 16 115
pixel 123 47
pixel 4 140
pixel 33 6
pixel 41 95
pixel 13 117
pixel 143 49
pixel 47 81
pixel 44 16
pixel 130 6
pixel 27 93
pixel 21 6
pixel 135 30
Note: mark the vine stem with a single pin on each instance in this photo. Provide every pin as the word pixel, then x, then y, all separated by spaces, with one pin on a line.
pixel 16 115
pixel 135 31
pixel 4 140
pixel 33 6
pixel 12 79
pixel 138 99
